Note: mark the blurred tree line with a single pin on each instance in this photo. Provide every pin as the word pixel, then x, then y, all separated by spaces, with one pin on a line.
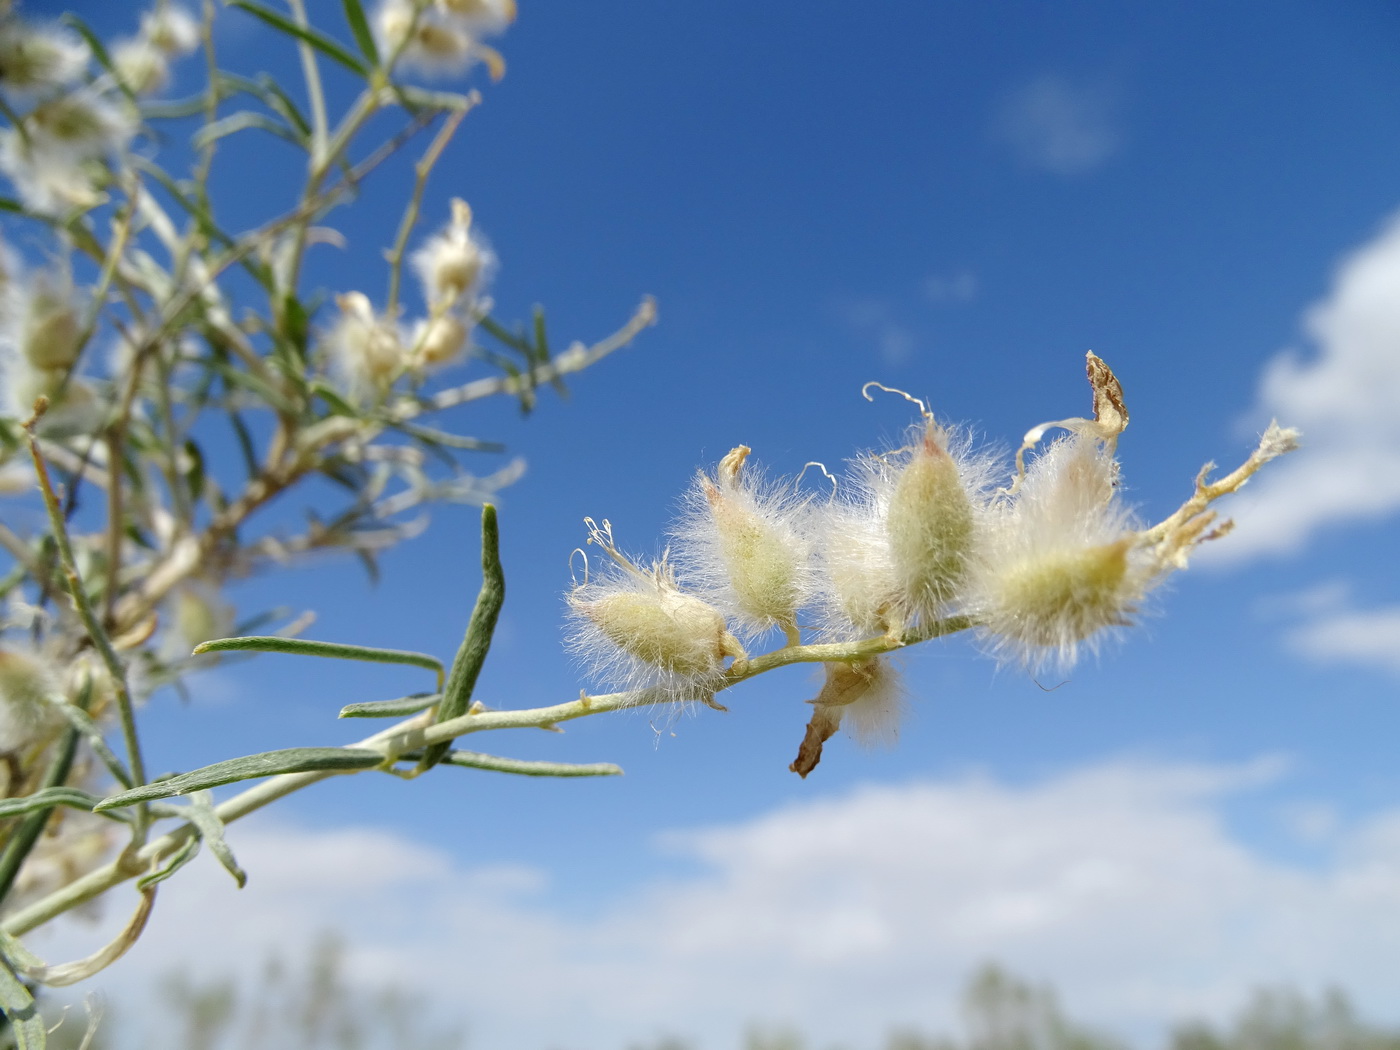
pixel 315 1007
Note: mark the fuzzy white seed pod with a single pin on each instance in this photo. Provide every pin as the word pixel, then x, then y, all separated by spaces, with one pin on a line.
pixel 50 163
pixel 38 58
pixel 438 341
pixel 82 123
pixel 141 65
pixel 931 524
pixel 197 613
pixel 366 350
pixel 50 328
pixel 453 262
pixel 479 16
pixel 636 628
pixel 857 588
pixel 741 543
pixel 1062 563
pixel 423 39
pixel 74 404
pixel 27 684
pixel 171 29
pixel 48 180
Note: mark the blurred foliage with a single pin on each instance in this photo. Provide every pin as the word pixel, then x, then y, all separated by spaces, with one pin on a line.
pixel 1002 1012
pixel 310 1006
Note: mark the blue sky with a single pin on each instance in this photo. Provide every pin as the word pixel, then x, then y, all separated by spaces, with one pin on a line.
pixel 959 199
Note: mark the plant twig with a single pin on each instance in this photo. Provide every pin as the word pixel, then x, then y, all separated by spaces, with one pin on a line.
pixel 95 630
pixel 421 171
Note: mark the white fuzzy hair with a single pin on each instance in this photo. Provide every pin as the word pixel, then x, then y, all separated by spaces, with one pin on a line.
pixel 860 590
pixel 874 719
pixel 611 665
pixel 1067 506
pixel 773 515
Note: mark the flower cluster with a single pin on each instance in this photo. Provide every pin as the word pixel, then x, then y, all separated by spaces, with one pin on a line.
pixel 1042 560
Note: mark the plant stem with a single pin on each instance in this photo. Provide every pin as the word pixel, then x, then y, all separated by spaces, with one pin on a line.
pixel 421 171
pixel 417 733
pixel 100 641
pixel 316 99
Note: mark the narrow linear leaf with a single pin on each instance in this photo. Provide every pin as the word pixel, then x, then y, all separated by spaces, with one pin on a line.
pixel 250 767
pixel 466 665
pixel 505 335
pixel 282 102
pixel 542 345
pixel 315 38
pixel 194 474
pixel 25 835
pixel 211 830
pixel 359 25
pixel 177 860
pixel 177 108
pixel 526 768
pixel 337 404
pixel 265 393
pixel 398 708
pixel 20 1010
pixel 49 797
pixel 245 442
pixel 244 120
pixel 441 437
pixel 272 643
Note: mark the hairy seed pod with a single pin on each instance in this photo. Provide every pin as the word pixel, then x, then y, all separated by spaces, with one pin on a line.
pixel 665 628
pixel 1064 597
pixel 742 539
pixel 930 525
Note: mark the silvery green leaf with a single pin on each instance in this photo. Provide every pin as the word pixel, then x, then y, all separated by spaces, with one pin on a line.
pixel 174 863
pixel 249 767
pixel 309 647
pixel 314 37
pixel 359 25
pixel 211 830
pixel 397 708
pixel 466 665
pixel 527 768
pixel 47 798
pixel 19 1008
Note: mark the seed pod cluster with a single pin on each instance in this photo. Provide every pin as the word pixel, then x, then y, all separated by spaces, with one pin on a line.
pixel 1042 560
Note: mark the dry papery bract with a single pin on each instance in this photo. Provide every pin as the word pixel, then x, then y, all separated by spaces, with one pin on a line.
pixel 1042 561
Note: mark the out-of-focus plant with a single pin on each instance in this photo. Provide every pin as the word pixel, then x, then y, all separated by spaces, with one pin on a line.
pixel 296 1005
pixel 165 377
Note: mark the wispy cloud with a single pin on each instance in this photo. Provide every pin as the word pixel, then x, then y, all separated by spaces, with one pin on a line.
pixel 959 286
pixel 875 321
pixel 1362 637
pixel 841 915
pixel 1345 397
pixel 1059 126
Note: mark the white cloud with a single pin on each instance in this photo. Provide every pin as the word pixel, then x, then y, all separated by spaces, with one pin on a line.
pixel 960 286
pixel 875 319
pixel 1367 637
pixel 842 915
pixel 1060 127
pixel 1345 397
